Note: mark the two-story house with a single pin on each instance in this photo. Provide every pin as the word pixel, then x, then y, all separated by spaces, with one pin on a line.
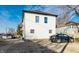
pixel 38 25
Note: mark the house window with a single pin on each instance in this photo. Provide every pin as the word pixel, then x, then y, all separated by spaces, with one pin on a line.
pixel 45 20
pixel 50 31
pixel 37 19
pixel 32 31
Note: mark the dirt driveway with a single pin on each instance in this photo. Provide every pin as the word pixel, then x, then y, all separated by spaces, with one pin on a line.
pixel 37 46
pixel 72 48
pixel 31 46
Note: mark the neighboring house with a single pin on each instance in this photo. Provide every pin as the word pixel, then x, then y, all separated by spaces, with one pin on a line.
pixel 70 28
pixel 38 25
pixel 5 36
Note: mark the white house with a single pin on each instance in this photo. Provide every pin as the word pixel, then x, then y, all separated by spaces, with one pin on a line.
pixel 70 28
pixel 38 25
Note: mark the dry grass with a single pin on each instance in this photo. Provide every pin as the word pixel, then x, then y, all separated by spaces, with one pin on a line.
pixel 77 39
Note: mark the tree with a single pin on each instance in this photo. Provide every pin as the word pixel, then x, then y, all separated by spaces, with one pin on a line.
pixel 19 30
pixel 11 31
pixel 74 7
pixel 68 12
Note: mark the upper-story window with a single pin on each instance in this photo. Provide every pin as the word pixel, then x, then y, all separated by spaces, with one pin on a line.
pixel 37 19
pixel 45 19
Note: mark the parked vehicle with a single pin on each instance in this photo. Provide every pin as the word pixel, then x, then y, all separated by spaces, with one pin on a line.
pixel 60 38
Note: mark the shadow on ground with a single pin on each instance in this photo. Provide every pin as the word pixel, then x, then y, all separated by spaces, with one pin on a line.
pixel 28 47
pixel 64 48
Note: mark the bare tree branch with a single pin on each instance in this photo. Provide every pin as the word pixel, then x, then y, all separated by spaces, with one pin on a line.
pixel 74 8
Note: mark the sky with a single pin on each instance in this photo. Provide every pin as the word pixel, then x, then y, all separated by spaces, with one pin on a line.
pixel 11 15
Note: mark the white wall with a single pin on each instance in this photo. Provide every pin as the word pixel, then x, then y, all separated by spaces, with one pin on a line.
pixel 41 28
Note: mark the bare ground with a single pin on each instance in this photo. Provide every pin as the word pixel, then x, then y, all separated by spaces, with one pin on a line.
pixel 37 46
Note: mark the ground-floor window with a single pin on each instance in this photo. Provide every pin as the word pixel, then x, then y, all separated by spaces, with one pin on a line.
pixel 31 30
pixel 50 31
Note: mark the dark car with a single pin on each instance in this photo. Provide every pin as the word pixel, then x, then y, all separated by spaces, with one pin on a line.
pixel 60 38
